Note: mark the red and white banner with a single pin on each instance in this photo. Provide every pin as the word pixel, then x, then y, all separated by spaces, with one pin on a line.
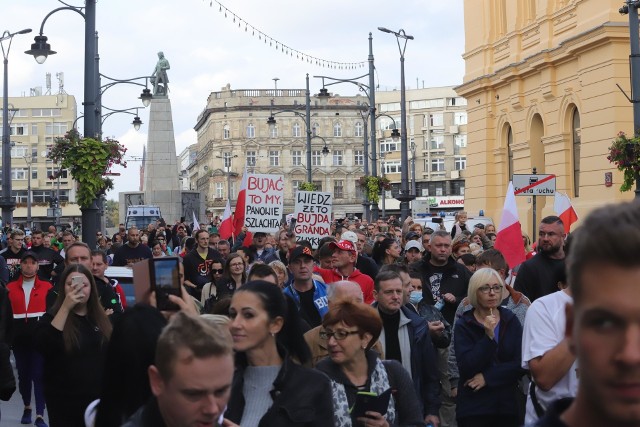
pixel 509 239
pixel 226 226
pixel 563 208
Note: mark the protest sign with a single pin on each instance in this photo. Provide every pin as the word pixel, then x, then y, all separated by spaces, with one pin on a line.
pixel 265 198
pixel 313 216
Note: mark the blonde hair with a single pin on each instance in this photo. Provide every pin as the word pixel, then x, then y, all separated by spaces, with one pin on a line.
pixel 479 279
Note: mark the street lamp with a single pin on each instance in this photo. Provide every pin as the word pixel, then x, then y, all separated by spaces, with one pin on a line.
pixel 370 91
pixel 271 121
pixel 40 50
pixel 6 203
pixel 405 195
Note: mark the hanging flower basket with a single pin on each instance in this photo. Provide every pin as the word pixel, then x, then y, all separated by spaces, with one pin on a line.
pixel 625 153
pixel 307 186
pixel 88 160
pixel 374 185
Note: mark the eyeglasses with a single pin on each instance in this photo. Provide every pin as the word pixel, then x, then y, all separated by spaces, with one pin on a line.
pixel 338 335
pixel 486 289
pixel 218 270
pixel 237 265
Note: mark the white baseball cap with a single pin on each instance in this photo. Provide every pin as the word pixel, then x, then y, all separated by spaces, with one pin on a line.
pixel 350 236
pixel 414 244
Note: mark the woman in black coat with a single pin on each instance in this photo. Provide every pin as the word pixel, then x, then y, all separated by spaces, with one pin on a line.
pixel 269 389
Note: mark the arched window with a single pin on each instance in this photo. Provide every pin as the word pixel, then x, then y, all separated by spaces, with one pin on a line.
pixel 337 130
pixel 359 129
pixel 251 131
pixel 575 135
pixel 510 153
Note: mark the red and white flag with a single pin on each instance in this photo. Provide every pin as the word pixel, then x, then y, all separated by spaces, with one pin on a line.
pixel 563 208
pixel 241 203
pixel 509 239
pixel 226 226
pixel 239 214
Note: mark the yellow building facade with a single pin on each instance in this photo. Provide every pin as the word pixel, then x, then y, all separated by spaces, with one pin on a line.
pixel 540 82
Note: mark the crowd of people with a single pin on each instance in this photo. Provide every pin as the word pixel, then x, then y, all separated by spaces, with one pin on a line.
pixel 383 324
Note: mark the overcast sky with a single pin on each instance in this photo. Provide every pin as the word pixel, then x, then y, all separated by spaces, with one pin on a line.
pixel 207 51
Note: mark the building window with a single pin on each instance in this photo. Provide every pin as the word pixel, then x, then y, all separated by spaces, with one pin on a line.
pixel 387 124
pixel 457 188
pixel 338 189
pixel 318 185
pixel 45 112
pixel 358 157
pixel 295 184
pixel 315 129
pixel 337 130
pixel 392 167
pixel 19 173
pixel 437 165
pixel 226 156
pixel 436 119
pixel 337 157
pixel 509 153
pixel 34 128
pixel 226 132
pixel 387 146
pixel 575 133
pixel 296 130
pixel 18 129
pixel 55 128
pixel 219 190
pixel 456 102
pixel 460 118
pixel 19 152
pixel 359 129
pixel 296 158
pixel 460 163
pixel 274 158
pixel 53 171
pixel 251 131
pixel 437 141
pixel 251 158
pixel 460 141
pixel 273 131
pixel 40 196
pixel 34 173
pixel 316 158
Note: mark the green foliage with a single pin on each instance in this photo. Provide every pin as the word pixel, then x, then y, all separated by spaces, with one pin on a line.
pixel 307 186
pixel 112 213
pixel 374 185
pixel 625 153
pixel 88 160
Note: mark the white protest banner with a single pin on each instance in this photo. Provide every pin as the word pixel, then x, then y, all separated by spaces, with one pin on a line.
pixel 313 216
pixel 265 197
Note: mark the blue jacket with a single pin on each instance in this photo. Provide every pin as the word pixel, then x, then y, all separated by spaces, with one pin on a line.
pixel 424 364
pixel 498 362
pixel 319 297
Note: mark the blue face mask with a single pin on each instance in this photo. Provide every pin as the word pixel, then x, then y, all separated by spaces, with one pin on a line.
pixel 415 297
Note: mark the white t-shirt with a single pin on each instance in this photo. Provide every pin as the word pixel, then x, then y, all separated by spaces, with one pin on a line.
pixel 27 287
pixel 544 327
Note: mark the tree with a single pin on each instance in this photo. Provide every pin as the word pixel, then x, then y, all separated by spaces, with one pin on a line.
pixel 112 214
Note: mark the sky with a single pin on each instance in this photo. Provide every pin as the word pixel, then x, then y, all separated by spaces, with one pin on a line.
pixel 207 50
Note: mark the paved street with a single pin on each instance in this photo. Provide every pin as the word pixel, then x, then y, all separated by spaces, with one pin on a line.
pixel 12 410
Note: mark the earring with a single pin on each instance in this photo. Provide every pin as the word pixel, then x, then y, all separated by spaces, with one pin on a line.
pixel 272 334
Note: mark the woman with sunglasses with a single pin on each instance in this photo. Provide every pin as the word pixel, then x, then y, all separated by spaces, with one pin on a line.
pixel 350 329
pixel 488 342
pixel 209 291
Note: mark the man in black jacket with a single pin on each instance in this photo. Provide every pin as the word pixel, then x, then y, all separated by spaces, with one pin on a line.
pixel 444 281
pixel 192 375
pixel 48 259
pixel 197 264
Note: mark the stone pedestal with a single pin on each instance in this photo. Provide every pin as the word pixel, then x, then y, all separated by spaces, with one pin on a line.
pixel 161 183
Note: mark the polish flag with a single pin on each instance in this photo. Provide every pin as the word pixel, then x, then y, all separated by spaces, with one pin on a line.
pixel 238 215
pixel 562 207
pixel 509 239
pixel 226 226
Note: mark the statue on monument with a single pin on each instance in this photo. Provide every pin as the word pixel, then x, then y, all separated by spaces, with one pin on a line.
pixel 159 78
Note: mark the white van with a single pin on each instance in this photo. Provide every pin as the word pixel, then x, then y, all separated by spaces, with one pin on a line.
pixel 141 216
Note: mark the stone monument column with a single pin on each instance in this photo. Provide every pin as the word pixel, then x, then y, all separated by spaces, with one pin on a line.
pixel 161 183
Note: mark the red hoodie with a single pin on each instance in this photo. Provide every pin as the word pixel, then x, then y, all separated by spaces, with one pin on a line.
pixel 365 282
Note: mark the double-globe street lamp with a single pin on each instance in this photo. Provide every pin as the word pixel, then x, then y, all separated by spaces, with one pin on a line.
pixel 405 196
pixel 6 202
pixel 40 50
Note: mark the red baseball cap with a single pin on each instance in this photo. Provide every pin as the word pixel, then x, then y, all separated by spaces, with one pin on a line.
pixel 344 245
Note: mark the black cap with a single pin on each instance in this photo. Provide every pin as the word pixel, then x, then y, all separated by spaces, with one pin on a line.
pixel 259 234
pixel 300 251
pixel 411 235
pixel 479 225
pixel 29 254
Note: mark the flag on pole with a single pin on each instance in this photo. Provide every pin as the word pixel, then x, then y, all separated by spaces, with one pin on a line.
pixel 509 238
pixel 563 208
pixel 196 225
pixel 226 226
